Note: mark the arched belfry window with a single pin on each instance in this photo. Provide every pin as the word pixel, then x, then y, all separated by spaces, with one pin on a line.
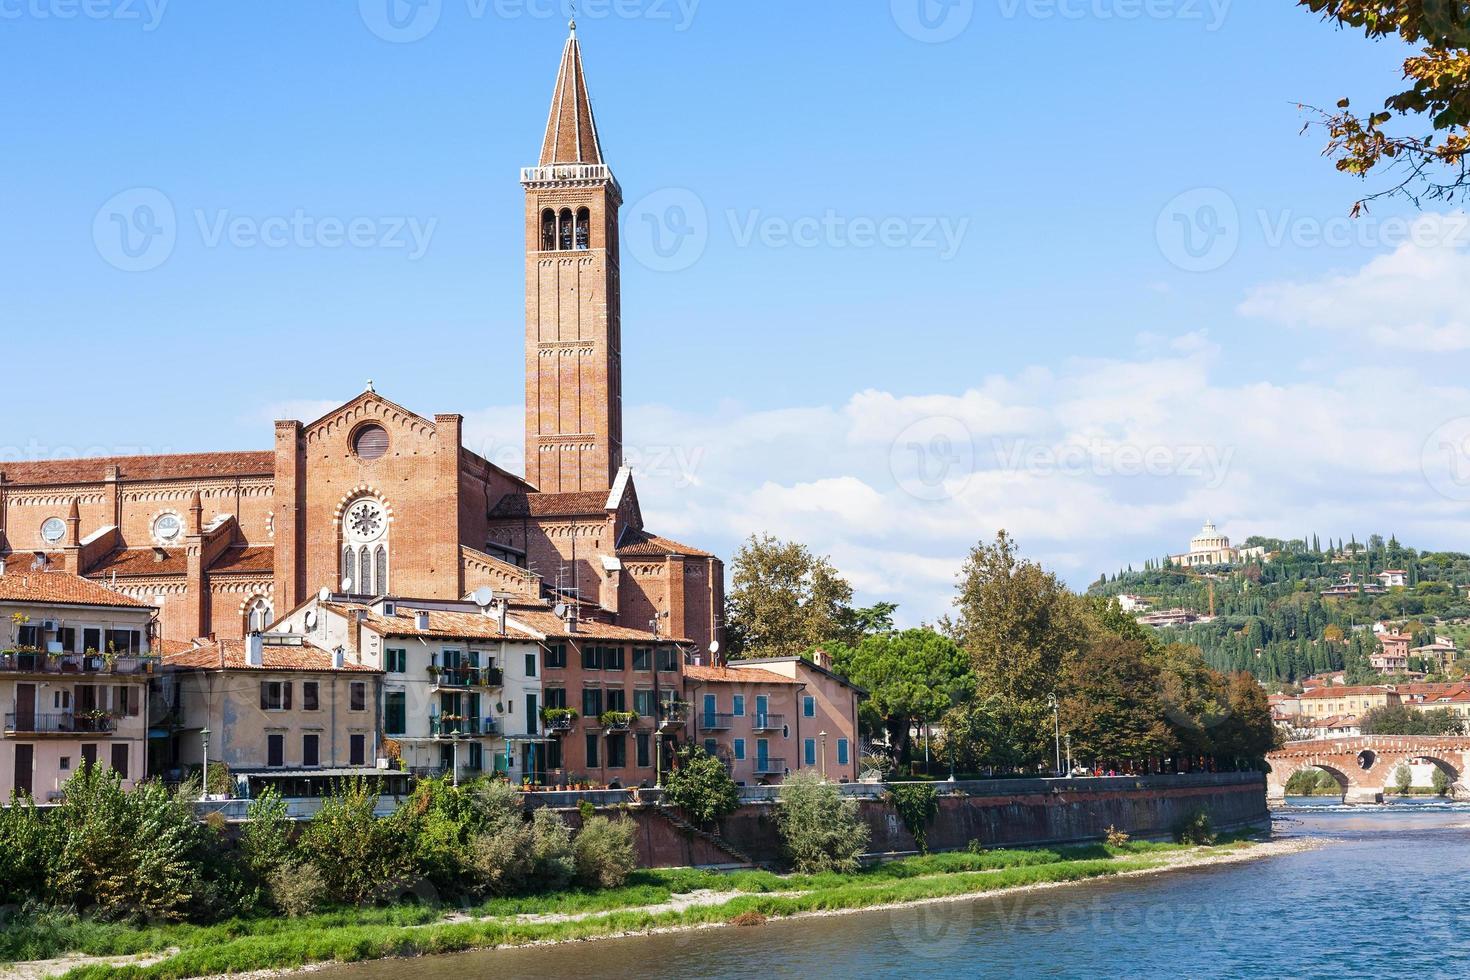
pixel 365 548
pixel 564 238
pixel 584 230
pixel 548 230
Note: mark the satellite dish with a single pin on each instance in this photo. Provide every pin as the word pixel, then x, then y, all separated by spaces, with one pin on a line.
pixel 325 594
pixel 311 619
pixel 560 610
pixel 714 647
pixel 347 584
pixel 483 596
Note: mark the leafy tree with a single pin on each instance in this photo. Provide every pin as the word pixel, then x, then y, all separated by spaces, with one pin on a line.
pixel 916 674
pixel 917 804
pixel 1438 93
pixel 996 733
pixel 1440 781
pixel 1018 622
pixel 604 852
pixel 820 829
pixel 1398 719
pixel 1403 781
pixel 785 600
pixel 701 786
pixel 1112 706
pixel 265 842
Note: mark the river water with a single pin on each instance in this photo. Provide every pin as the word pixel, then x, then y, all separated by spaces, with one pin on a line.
pixel 1387 896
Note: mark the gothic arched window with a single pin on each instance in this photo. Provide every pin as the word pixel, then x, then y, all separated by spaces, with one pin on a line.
pixel 366 548
pixel 584 230
pixel 548 230
pixel 564 239
pixel 259 615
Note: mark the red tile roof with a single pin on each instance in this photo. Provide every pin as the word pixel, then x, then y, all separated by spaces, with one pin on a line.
pixel 644 544
pixel 546 622
pixel 138 562
pixel 1339 690
pixel 246 560
pixel 230 655
pixel 190 466
pixel 581 503
pixel 742 675
pixel 60 588
pixel 444 625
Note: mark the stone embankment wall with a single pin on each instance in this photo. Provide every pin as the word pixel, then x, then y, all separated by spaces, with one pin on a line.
pixel 999 813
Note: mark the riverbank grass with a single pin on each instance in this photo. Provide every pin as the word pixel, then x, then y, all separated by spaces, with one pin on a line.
pixel 649 902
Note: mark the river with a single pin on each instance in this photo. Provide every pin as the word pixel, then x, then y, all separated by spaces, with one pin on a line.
pixel 1384 897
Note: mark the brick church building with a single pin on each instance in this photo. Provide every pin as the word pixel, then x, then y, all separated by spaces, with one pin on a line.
pixel 374 499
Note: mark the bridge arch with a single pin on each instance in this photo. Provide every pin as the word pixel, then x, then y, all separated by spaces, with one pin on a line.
pixel 1366 766
pixel 1290 772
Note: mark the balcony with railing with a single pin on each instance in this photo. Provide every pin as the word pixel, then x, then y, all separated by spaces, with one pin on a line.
pixel 451 726
pixel 673 715
pixel 711 721
pixel 557 172
pixel 767 723
pixel 618 721
pixel 770 767
pixel 59 723
pixel 460 678
pixel 78 664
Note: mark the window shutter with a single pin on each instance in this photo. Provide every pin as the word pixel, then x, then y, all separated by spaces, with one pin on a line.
pixel 264 695
pixel 286 695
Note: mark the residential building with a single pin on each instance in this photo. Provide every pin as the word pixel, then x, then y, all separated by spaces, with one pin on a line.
pixel 1349 587
pixel 1393 654
pixel 1393 578
pixel 1134 604
pixel 74 665
pixel 389 501
pixel 461 693
pixel 1346 700
pixel 278 710
pixel 824 735
pixel 748 718
pixel 1439 656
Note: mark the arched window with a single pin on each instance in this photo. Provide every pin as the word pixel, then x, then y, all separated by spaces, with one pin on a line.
pixel 365 547
pixel 548 230
pixel 259 615
pixel 584 229
pixel 564 239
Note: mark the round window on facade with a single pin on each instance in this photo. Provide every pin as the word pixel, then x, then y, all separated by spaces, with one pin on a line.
pixel 167 528
pixel 370 442
pixel 53 530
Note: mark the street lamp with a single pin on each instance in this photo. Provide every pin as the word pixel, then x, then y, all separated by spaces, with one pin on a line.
pixel 658 760
pixel 204 780
pixel 1069 755
pixel 1056 716
pixel 824 755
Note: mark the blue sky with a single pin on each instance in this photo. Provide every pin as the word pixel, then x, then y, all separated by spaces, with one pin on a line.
pixel 932 278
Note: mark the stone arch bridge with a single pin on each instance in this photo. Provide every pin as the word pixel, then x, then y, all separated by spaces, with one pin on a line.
pixel 1364 765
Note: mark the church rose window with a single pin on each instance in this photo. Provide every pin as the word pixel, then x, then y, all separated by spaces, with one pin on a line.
pixel 370 442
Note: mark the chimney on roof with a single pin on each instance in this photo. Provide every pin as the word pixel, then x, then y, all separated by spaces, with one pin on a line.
pixel 421 620
pixel 502 608
pixel 822 658
pixel 196 513
pixel 254 650
pixel 338 656
pixel 74 524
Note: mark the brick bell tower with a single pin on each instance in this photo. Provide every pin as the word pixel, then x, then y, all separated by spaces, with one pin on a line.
pixel 574 375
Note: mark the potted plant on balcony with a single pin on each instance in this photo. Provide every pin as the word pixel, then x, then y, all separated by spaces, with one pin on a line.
pixel 435 671
pixel 559 719
pixel 618 720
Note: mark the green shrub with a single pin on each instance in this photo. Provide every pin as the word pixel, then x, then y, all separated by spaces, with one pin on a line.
pixel 605 853
pixel 821 831
pixel 501 856
pixel 1197 829
pixel 297 889
pixel 553 864
pixel 917 805
pixel 1441 782
pixel 701 787
pixel 124 855
pixel 265 842
pixel 357 854
pixel 27 849
pixel 1116 837
pixel 586 810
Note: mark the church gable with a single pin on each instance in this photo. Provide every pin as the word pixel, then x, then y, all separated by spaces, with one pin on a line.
pixel 370 427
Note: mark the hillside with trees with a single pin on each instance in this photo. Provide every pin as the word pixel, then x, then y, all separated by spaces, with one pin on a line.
pixel 1272 620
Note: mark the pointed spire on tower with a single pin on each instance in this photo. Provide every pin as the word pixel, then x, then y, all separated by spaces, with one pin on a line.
pixel 571 129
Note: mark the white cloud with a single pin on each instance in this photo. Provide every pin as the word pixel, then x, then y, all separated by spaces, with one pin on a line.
pixel 1416 298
